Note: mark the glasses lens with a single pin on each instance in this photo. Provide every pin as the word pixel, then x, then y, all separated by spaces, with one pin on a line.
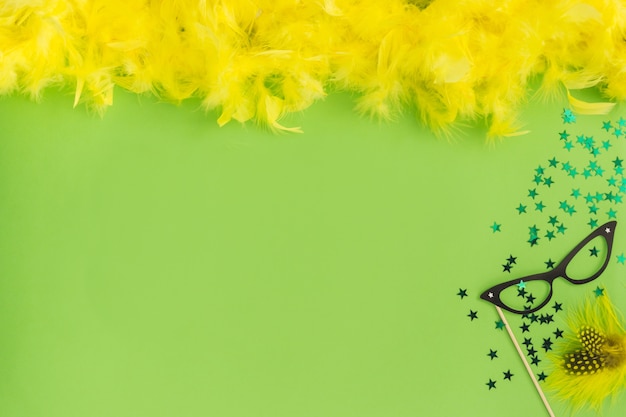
pixel 525 295
pixel 589 260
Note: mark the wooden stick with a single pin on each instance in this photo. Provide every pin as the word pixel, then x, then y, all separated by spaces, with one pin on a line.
pixel 521 355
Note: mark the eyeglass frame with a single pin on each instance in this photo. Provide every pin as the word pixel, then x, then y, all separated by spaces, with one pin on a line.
pixel 607 231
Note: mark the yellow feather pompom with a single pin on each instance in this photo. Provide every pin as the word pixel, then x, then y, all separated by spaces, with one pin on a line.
pixel 591 364
pixel 448 61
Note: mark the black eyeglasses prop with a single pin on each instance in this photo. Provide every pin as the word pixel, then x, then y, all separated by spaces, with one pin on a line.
pixel 493 294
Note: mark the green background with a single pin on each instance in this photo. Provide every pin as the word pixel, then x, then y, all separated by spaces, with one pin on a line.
pixel 153 264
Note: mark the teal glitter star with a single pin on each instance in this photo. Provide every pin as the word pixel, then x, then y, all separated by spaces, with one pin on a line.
pixel 561 229
pixel 612 214
pixel 496 227
pixel 541 377
pixel 521 208
pixel 593 223
pixel 593 209
pixel 621 259
pixel 606 145
pixel 599 291
pixel 575 193
pixel 586 173
pixel 564 135
pixel 568 145
pixel 539 206
pixel 521 284
pixel 568 117
pixel 548 181
pixel 553 162
pixel 594 252
pixel 491 384
pixel 499 324
pixel 462 293
pixel 550 235
pixel 549 264
pixel 533 193
pixel 617 162
pixel 606 126
pixel 553 220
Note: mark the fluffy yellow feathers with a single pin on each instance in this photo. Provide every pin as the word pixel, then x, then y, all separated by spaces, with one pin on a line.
pixel 591 365
pixel 448 60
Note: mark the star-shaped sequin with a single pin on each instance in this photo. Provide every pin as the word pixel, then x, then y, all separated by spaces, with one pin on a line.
pixel 473 315
pixel 462 293
pixel 541 377
pixel 599 291
pixel 491 384
pixel 492 354
pixel 508 375
pixel 547 344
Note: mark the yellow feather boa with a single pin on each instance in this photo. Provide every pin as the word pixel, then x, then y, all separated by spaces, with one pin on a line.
pixel 448 60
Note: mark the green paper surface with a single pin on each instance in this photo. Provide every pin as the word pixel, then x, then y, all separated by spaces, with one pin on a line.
pixel 153 264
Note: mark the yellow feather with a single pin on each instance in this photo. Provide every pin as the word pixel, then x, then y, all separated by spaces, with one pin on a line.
pixel 449 61
pixel 585 373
